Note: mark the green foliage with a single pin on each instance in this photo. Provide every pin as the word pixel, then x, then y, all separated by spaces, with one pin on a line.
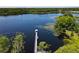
pixel 18 43
pixel 71 44
pixel 4 43
pixel 43 46
pixel 68 14
pixel 67 41
pixel 16 46
pixel 65 23
pixel 16 11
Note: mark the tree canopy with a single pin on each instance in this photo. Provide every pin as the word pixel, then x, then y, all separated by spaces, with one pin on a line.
pixel 65 23
pixel 18 43
pixel 71 45
pixel 14 45
pixel 43 46
pixel 4 44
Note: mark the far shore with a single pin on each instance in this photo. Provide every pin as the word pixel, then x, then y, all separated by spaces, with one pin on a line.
pixel 19 11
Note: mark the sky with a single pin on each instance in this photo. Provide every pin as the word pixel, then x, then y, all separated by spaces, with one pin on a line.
pixel 39 3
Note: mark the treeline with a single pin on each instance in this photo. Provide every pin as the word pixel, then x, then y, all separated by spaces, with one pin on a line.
pixel 16 11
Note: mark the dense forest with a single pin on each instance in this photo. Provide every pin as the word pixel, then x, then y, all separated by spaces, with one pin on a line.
pixel 67 28
pixel 16 11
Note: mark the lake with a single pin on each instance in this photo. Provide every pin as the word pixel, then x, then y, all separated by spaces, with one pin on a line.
pixel 27 23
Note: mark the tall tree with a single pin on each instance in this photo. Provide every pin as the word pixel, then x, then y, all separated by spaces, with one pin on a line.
pixel 18 43
pixel 4 43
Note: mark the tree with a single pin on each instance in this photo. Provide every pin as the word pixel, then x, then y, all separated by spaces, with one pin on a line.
pixel 65 23
pixel 4 43
pixel 18 43
pixel 43 46
pixel 71 44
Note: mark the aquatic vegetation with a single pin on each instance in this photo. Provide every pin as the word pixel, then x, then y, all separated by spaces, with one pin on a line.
pixel 49 26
